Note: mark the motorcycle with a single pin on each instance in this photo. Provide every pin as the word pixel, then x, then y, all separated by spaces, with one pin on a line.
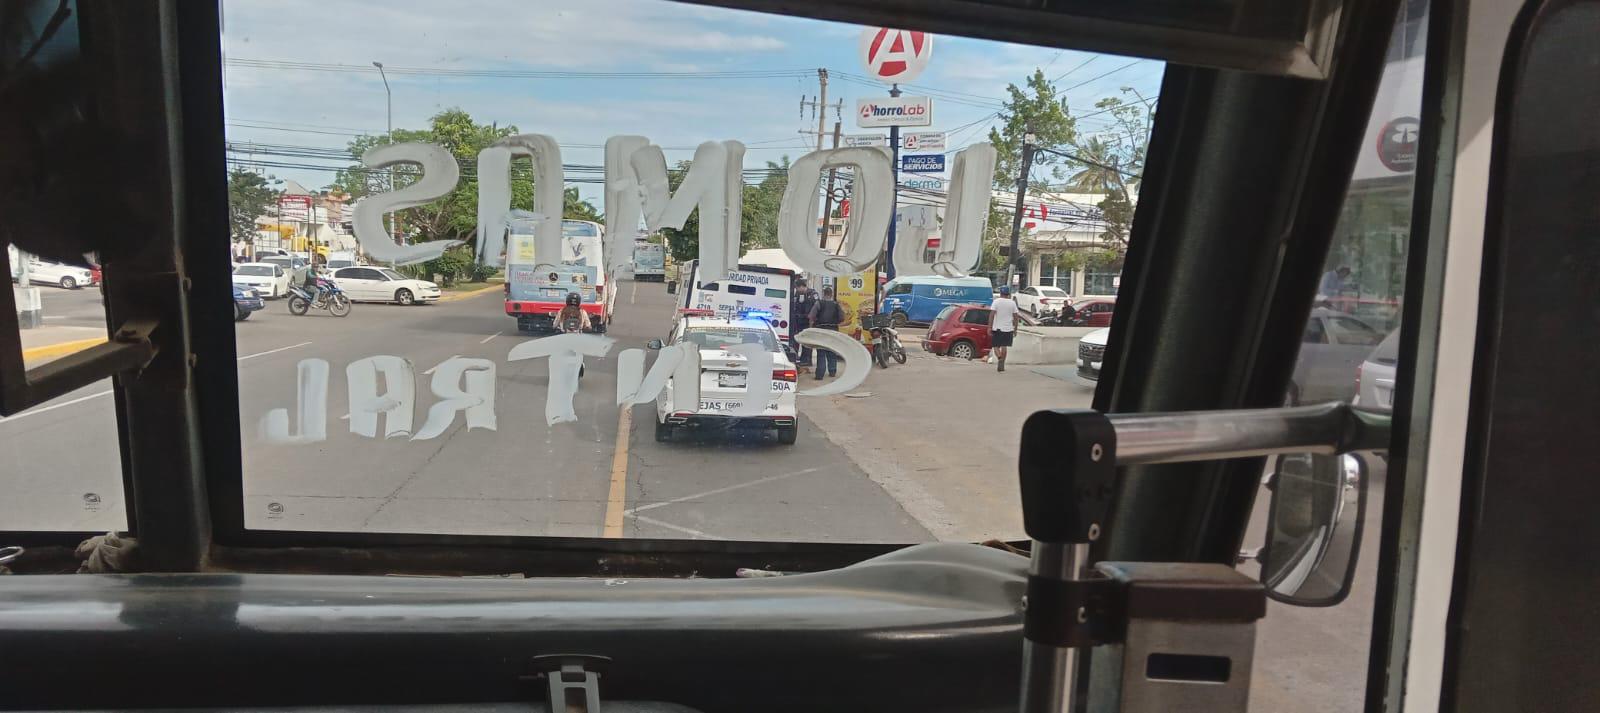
pixel 885 340
pixel 331 298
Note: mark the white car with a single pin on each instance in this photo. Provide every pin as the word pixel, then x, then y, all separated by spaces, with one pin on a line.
pixel 268 280
pixel 69 277
pixel 723 377
pixel 381 284
pixel 1092 353
pixel 1042 298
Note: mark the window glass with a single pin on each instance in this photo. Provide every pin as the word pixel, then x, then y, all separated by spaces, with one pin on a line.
pixel 61 468
pixel 976 316
pixel 1101 282
pixel 391 274
pixel 258 270
pixel 453 418
pixel 1350 354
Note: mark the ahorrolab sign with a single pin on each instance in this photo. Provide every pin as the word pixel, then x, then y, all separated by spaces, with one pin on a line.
pixel 894 111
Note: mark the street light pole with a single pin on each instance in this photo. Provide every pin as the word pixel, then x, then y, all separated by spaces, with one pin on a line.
pixel 1016 215
pixel 894 196
pixel 388 109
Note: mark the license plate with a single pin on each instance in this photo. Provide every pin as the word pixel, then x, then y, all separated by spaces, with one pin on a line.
pixel 731 380
pixel 555 293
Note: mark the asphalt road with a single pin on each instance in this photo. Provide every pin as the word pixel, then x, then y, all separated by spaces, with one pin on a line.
pixel 523 477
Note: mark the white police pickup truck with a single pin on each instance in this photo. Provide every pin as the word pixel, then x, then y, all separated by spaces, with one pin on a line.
pixel 725 381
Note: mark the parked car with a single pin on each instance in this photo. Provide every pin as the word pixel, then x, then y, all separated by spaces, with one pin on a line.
pixel 296 266
pixel 960 331
pixel 1038 299
pixel 267 279
pixel 245 301
pixel 1333 346
pixel 382 284
pixel 1092 353
pixel 67 277
pixel 1375 376
pixel 1090 312
pixel 920 298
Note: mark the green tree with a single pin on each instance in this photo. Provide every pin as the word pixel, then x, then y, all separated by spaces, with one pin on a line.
pixel 759 220
pixel 575 208
pixel 249 196
pixel 1036 109
pixel 454 216
pixel 683 243
pixel 1110 162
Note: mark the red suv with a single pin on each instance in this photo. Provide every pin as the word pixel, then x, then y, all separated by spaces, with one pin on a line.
pixel 961 331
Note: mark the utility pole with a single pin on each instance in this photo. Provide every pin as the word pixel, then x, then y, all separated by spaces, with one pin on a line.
pixel 894 196
pixel 819 107
pixel 1016 215
pixel 827 197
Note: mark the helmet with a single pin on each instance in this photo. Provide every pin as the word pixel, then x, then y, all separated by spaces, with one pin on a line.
pixel 573 299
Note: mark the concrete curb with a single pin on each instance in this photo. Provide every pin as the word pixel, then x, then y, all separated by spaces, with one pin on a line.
pixel 454 296
pixel 62 349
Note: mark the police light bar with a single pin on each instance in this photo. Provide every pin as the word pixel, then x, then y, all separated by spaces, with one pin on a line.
pixel 755 314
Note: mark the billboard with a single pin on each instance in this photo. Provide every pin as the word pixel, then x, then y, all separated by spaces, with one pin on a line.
pixel 894 111
pixel 922 163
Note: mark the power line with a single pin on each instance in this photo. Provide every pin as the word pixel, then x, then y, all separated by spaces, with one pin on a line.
pixel 287 65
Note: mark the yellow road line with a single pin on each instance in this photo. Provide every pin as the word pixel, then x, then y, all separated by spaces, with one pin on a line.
pixel 62 349
pixel 453 296
pixel 616 499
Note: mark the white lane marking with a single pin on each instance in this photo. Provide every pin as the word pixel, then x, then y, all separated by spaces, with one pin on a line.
pixel 435 367
pixel 718 491
pixel 273 351
pixel 686 530
pixel 53 407
pixel 635 292
pixel 492 336
pixel 97 394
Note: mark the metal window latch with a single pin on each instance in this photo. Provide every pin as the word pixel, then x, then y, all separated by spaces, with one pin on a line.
pixel 572 681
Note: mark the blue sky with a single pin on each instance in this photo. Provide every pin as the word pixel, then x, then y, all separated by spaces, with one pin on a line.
pixel 319 108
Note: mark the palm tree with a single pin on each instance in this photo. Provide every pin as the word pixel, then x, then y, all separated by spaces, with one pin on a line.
pixel 1101 172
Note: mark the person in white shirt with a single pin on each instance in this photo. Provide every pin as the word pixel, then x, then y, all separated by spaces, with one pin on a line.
pixel 1002 325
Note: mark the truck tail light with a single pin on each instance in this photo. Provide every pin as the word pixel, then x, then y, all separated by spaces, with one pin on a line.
pixel 784 375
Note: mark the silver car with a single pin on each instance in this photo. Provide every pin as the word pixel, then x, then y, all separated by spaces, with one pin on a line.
pixel 1375 378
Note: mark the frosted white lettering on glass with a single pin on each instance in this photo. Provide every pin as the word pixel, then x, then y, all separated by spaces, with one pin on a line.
pixel 311 408
pixel 857 360
pixel 757 379
pixel 394 404
pixel 463 386
pixel 680 362
pixel 566 352
pixel 439 175
pixel 871 199
pixel 636 185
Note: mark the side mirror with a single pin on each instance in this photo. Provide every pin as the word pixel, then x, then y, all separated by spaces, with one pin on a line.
pixel 654 344
pixel 1314 525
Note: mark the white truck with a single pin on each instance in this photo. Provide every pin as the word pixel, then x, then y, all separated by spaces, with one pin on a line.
pixel 745 292
pixel 649 262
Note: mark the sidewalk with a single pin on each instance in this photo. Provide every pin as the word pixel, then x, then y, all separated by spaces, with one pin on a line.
pixel 53 342
pixel 941 436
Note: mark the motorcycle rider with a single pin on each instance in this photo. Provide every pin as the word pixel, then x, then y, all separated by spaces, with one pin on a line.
pixel 313 286
pixel 572 310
